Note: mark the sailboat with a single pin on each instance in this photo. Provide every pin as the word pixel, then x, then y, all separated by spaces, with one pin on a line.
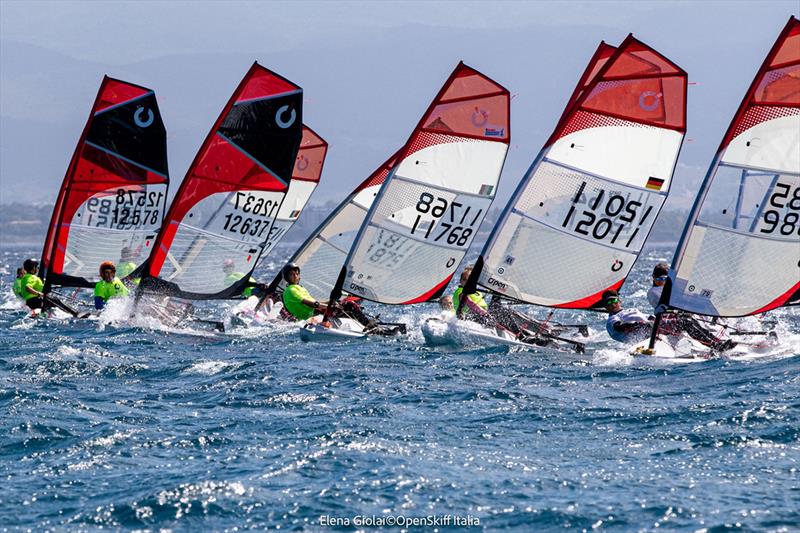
pixel 112 200
pixel 227 209
pixel 739 254
pixel 430 205
pixel 579 218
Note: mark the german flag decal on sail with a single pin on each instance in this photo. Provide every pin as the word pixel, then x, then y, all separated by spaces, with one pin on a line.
pixel 654 183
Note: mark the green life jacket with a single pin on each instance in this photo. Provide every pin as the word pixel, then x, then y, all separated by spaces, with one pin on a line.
pixel 113 289
pixel 293 296
pixel 476 298
pixel 233 277
pixel 18 288
pixel 33 281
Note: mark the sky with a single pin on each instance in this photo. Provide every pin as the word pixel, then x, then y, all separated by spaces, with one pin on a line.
pixel 368 70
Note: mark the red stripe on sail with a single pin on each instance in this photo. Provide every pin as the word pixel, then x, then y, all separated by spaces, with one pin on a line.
pixel 428 295
pixel 590 301
pixel 781 300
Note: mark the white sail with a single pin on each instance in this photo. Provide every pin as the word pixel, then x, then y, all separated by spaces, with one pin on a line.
pixel 321 256
pixel 432 203
pixel 740 253
pixel 579 219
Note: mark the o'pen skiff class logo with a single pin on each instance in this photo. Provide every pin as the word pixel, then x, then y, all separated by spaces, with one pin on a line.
pixel 137 117
pixel 649 100
pixel 283 124
pixel 479 117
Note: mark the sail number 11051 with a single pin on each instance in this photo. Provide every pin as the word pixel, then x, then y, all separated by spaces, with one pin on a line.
pixel 608 217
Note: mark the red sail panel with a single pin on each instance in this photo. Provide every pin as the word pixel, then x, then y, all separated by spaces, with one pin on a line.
pixel 469 105
pixel 112 199
pixel 634 84
pixel 310 157
pixel 774 88
pixel 220 220
pixel 599 58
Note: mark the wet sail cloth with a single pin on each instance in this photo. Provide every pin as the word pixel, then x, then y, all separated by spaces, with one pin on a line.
pixel 740 252
pixel 221 217
pixel 579 218
pixel 322 254
pixel 432 203
pixel 115 189
pixel 305 178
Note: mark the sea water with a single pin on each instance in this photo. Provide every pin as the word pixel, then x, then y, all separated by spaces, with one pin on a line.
pixel 118 425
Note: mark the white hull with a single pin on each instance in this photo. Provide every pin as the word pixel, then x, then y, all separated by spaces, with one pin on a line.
pixel 341 329
pixel 438 332
pixel 685 349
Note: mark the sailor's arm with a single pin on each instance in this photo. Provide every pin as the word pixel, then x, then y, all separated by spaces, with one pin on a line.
pixel 317 306
pixel 30 289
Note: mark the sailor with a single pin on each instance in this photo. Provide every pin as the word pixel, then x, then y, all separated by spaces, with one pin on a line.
pixel 298 304
pixel 17 287
pixel 474 306
pixel 494 315
pixel 446 304
pixel 109 285
pixel 126 264
pixel 660 275
pixel 232 276
pixel 32 285
pixel 678 323
pixel 624 325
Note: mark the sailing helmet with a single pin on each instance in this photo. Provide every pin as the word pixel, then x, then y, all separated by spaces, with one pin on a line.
pixel 30 264
pixel 107 265
pixel 228 264
pixel 289 268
